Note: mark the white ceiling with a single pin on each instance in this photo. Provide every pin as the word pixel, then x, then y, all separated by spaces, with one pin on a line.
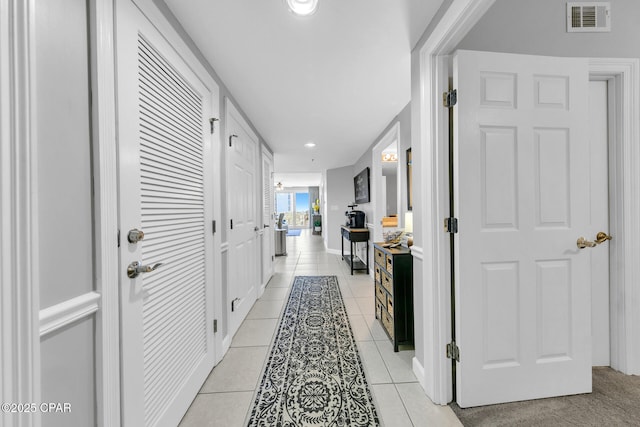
pixel 336 78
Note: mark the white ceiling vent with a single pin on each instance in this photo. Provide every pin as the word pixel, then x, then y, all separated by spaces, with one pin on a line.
pixel 588 17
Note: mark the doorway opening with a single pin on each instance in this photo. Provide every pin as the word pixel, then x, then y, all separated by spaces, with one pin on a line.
pixel 295 205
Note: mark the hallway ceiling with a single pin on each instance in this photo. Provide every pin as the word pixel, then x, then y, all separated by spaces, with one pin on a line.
pixel 336 78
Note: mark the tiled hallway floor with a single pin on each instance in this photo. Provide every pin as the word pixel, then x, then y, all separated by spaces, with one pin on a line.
pixel 226 397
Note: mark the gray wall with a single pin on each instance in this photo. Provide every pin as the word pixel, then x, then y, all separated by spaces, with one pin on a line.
pixel 539 28
pixel 339 193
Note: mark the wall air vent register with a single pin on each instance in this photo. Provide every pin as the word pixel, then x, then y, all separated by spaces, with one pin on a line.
pixel 588 17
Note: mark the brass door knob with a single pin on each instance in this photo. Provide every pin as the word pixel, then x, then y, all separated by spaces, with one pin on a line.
pixel 601 237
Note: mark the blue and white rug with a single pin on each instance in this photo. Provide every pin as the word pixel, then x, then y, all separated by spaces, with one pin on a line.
pixel 314 375
pixel 293 232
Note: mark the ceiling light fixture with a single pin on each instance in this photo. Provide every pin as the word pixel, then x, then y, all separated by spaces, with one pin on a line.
pixel 389 157
pixel 303 7
pixel 310 144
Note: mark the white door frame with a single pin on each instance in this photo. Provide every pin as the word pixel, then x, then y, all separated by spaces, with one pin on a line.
pixel 19 367
pixel 623 77
pixel 376 187
pixel 432 261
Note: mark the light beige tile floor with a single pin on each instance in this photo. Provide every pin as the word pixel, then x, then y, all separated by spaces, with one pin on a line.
pixel 227 395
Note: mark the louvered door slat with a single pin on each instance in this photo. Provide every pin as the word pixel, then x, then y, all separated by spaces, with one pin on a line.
pixel 160 132
pixel 172 214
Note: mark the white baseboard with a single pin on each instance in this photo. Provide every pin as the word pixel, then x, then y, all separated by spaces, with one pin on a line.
pixel 418 371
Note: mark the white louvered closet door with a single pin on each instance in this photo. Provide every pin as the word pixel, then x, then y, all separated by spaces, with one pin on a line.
pixel 166 326
pixel 268 243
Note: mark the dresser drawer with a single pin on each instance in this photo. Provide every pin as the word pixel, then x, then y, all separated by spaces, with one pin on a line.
pixel 381 295
pixel 379 309
pixel 390 306
pixel 387 322
pixel 377 273
pixel 387 282
pixel 389 264
pixel 379 257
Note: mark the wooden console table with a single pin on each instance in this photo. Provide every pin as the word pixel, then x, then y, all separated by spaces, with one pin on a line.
pixel 354 235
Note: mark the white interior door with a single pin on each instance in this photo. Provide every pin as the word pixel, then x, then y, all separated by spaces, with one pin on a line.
pixel 268 241
pixel 522 197
pixel 242 202
pixel 165 191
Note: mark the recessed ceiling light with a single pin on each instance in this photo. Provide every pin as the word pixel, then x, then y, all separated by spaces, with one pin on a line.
pixel 303 7
pixel 310 144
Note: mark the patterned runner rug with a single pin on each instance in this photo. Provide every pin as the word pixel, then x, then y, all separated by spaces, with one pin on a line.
pixel 314 376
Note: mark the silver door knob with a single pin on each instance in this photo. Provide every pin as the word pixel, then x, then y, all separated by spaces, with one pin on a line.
pixel 134 269
pixel 135 235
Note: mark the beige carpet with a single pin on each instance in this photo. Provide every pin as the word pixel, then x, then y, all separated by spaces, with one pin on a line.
pixel 615 401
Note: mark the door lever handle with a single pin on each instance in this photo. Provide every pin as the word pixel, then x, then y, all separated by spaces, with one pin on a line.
pixel 601 237
pixel 134 269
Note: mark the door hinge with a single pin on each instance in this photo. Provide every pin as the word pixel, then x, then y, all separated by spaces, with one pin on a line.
pixel 231 138
pixel 215 325
pixel 453 352
pixel 212 123
pixel 213 227
pixel 451 225
pixel 118 238
pixel 231 221
pixel 450 98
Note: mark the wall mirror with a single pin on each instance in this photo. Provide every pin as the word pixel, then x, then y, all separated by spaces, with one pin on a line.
pixel 390 185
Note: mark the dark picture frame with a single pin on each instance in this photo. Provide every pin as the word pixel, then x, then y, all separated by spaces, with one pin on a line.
pixel 409 183
pixel 361 186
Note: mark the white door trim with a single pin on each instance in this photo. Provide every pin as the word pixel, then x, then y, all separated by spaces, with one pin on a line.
pixel 106 214
pixel 376 173
pixel 624 218
pixel 430 142
pixel 20 337
pixel 430 135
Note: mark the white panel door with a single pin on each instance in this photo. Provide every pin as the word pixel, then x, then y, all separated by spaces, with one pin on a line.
pixel 268 238
pixel 242 201
pixel 165 191
pixel 522 197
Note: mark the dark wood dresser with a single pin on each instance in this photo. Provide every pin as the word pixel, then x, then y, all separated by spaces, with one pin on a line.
pixel 393 270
